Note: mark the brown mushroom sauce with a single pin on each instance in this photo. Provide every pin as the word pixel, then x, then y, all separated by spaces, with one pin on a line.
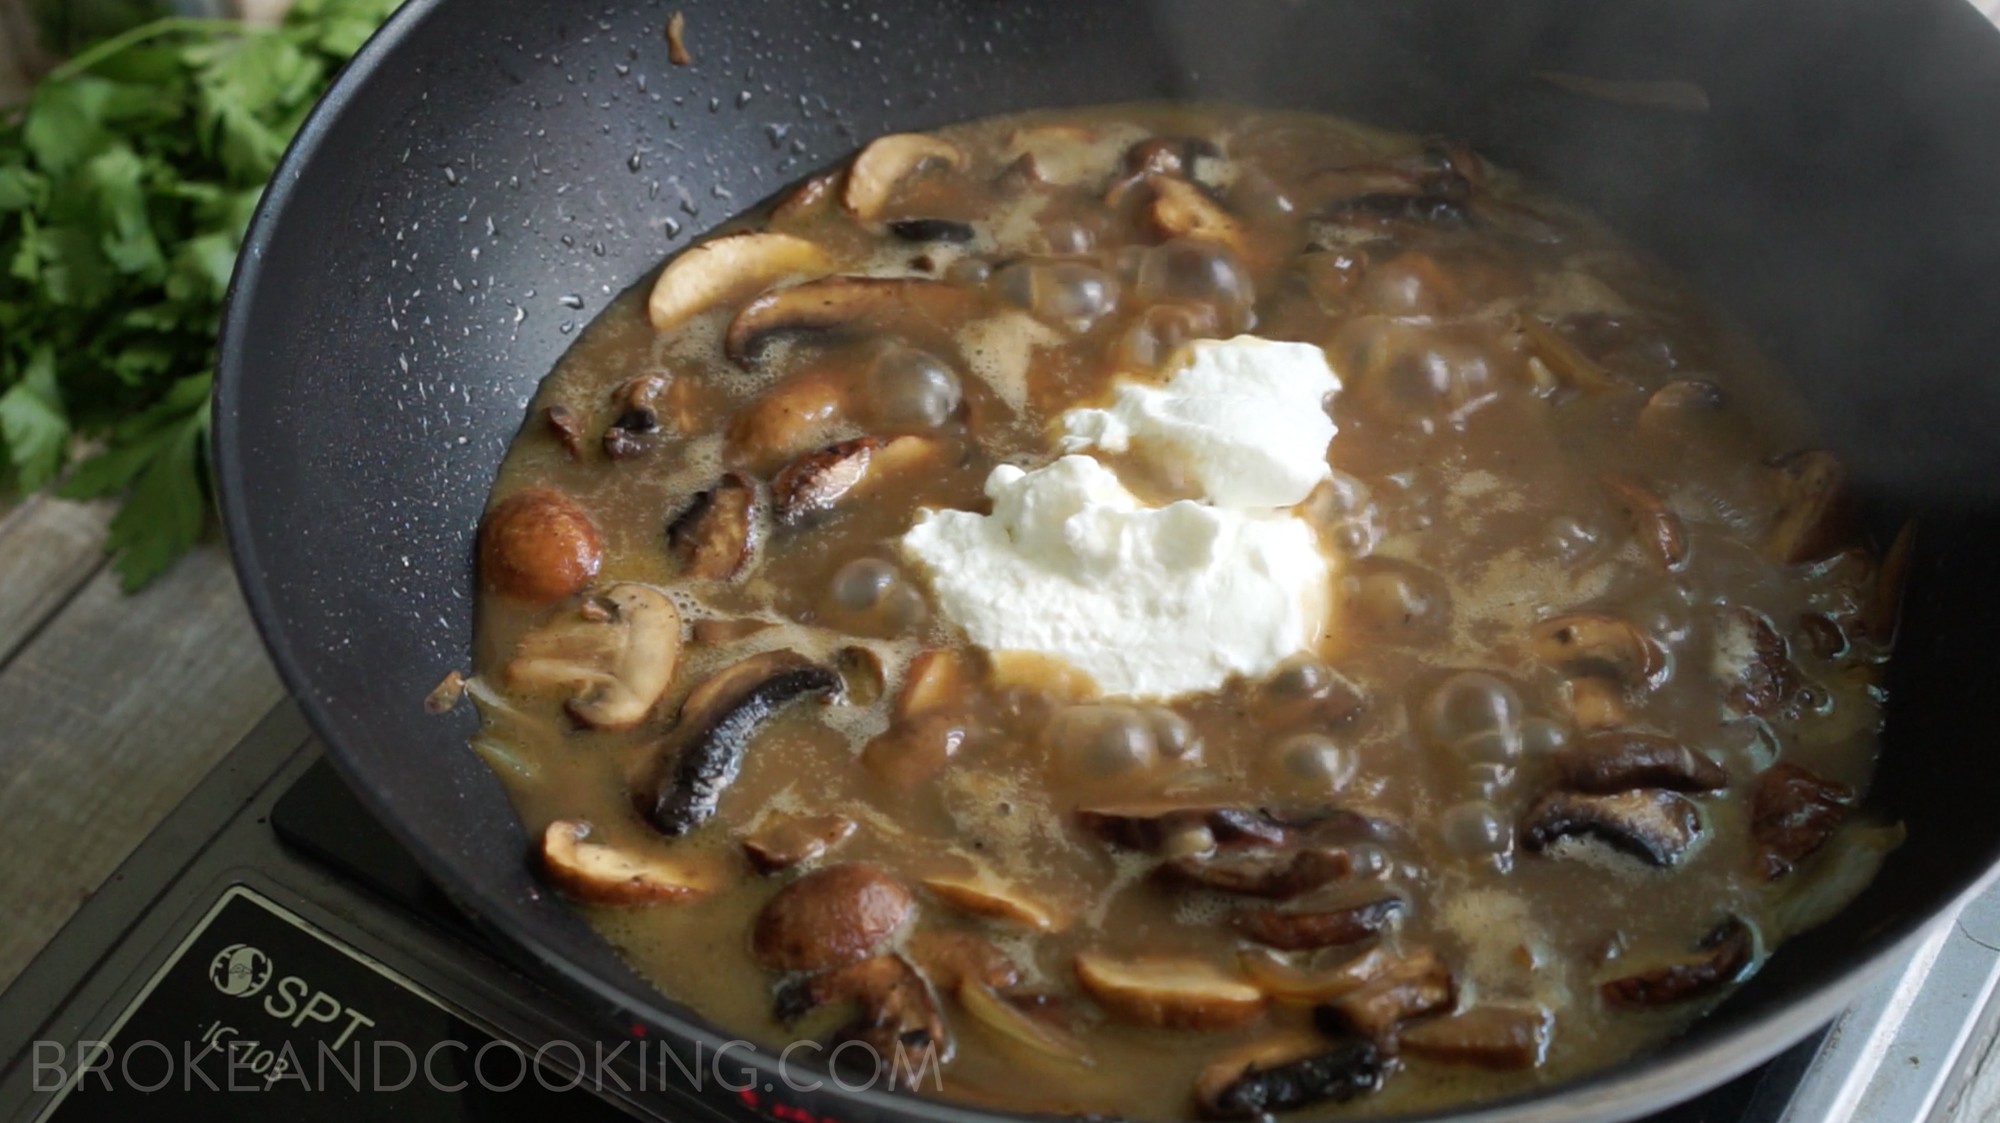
pixel 1593 581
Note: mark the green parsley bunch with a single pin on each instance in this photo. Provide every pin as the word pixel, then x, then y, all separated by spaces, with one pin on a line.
pixel 126 185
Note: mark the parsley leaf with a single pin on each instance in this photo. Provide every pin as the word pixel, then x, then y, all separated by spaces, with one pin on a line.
pixel 126 184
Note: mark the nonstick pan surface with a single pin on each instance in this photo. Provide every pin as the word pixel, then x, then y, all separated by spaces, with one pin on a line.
pixel 486 166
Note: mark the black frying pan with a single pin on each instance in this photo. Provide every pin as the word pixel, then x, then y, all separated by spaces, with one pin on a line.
pixel 410 278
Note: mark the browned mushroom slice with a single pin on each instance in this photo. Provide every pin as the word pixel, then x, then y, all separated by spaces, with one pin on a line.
pixel 888 305
pixel 1155 827
pixel 1496 1037
pixel 1014 1025
pixel 1885 602
pixel 936 677
pixel 1169 993
pixel 1792 814
pixel 1755 663
pixel 1286 983
pixel 1563 358
pixel 702 757
pixel 1668 411
pixel 1417 984
pixel 898 1007
pixel 636 417
pixel 861 675
pixel 1261 872
pixel 819 481
pixel 1836 874
pixel 1659 528
pixel 951 957
pixel 1726 953
pixel 840 914
pixel 1588 644
pixel 537 545
pixel 789 419
pixel 1654 826
pixel 1815 514
pixel 729 268
pixel 913 751
pixel 1595 703
pixel 613 657
pixel 887 161
pixel 714 630
pixel 1180 210
pixel 712 537
pixel 1620 761
pixel 808 198
pixel 567 428
pixel 1287 1071
pixel 1317 928
pixel 796 842
pixel 987 897
pixel 605 875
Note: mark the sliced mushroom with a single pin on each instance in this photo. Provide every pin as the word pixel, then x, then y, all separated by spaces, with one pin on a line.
pixel 936 678
pixel 1046 675
pixel 1754 663
pixel 613 657
pixel 1299 930
pixel 1563 358
pixel 1726 953
pixel 887 161
pixel 932 230
pixel 808 198
pixel 791 418
pixel 1496 1037
pixel 952 957
pixel 1153 827
pixel 1837 874
pixel 712 538
pixel 567 428
pixel 1169 993
pixel 830 917
pixel 1288 984
pixel 1419 983
pixel 1596 704
pixel 702 757
pixel 605 875
pixel 1261 872
pixel 1815 514
pixel 819 481
pixel 1792 814
pixel 898 1008
pixel 796 842
pixel 1667 412
pixel 1603 763
pixel 1585 643
pixel 1287 1072
pixel 1654 826
pixel 538 546
pixel 1885 602
pixel 637 416
pixel 861 676
pixel 729 268
pixel 1014 1025
pixel 1180 210
pixel 988 897
pixel 716 630
pixel 885 305
pixel 1659 528
pixel 912 752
